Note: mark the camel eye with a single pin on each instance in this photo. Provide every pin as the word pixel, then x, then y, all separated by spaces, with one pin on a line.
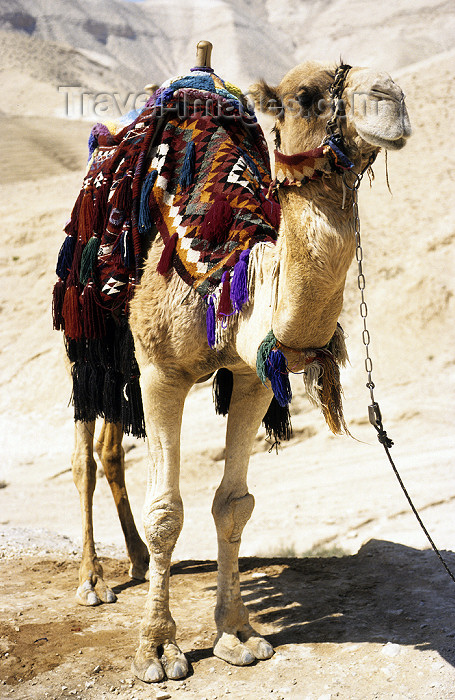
pixel 308 100
pixel 305 98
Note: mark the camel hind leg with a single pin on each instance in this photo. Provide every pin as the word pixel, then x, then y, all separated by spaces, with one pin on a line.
pixel 92 590
pixel 111 454
pixel 237 642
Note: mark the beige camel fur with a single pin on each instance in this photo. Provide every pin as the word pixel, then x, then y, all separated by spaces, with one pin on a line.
pixel 310 261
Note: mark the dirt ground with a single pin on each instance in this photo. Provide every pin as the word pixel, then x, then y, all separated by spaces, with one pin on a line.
pixel 378 624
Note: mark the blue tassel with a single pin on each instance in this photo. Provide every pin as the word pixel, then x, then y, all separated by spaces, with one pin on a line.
pixel 277 371
pixel 187 174
pixel 65 257
pixel 239 285
pixel 145 221
pixel 211 323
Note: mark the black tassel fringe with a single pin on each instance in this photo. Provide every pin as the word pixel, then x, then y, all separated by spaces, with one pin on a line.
pixel 222 390
pixel 277 420
pixel 277 423
pixel 106 379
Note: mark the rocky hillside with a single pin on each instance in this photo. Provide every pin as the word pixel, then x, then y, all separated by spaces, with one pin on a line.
pixel 113 43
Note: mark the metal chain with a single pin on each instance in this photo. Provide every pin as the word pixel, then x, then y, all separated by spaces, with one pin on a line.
pixel 361 286
pixel 374 412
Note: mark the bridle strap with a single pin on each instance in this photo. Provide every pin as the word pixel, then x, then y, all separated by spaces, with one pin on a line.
pixel 298 169
pixel 333 126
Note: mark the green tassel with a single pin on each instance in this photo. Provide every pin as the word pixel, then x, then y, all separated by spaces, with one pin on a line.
pixel 264 351
pixel 89 257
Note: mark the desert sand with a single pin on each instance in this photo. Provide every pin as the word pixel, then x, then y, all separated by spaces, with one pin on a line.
pixel 335 569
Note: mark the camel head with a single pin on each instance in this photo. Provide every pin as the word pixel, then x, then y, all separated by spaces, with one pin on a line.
pixel 367 108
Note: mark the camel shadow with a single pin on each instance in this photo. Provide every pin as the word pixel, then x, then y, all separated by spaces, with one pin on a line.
pixel 387 592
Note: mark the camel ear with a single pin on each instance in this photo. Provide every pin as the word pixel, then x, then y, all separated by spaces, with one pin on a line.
pixel 266 98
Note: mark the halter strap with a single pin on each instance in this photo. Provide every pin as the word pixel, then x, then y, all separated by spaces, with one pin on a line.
pixel 333 127
pixel 298 169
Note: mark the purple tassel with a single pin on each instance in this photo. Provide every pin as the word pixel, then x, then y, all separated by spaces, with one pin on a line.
pixel 239 286
pixel 211 323
pixel 92 144
pixel 277 371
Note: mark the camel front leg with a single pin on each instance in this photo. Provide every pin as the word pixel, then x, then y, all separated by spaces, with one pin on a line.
pixel 163 395
pixel 92 590
pixel 111 454
pixel 237 642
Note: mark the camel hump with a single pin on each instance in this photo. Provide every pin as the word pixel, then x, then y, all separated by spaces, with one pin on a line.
pixel 203 53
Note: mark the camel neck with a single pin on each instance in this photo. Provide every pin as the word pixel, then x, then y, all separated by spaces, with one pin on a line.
pixel 316 247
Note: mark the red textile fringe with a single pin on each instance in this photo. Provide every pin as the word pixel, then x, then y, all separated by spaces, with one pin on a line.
pixel 58 296
pixel 165 262
pixel 92 313
pixel 71 227
pixel 86 217
pixel 224 306
pixel 123 194
pixel 100 215
pixel 272 210
pixel 217 222
pixel 71 312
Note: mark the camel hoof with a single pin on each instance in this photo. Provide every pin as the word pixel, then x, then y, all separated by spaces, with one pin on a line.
pixel 230 649
pixel 260 648
pixel 85 595
pixel 90 595
pixel 149 670
pixel 174 662
pixel 107 595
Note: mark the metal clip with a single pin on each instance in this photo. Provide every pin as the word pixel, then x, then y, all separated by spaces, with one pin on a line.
pixel 374 414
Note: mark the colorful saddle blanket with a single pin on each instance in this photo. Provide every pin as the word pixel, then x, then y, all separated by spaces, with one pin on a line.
pixel 192 167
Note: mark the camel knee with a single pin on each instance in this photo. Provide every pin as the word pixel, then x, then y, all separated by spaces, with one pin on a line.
pixel 163 522
pixel 83 468
pixel 231 515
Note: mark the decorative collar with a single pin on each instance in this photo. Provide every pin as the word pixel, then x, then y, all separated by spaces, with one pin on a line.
pixel 299 168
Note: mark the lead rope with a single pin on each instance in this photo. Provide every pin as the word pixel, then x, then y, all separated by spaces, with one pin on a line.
pixel 374 412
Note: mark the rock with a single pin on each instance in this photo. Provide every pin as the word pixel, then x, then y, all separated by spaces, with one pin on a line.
pixel 391 649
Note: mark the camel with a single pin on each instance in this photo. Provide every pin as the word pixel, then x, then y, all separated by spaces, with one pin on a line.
pixel 296 291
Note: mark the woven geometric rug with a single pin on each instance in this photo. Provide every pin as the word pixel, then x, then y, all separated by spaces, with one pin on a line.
pixel 191 167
